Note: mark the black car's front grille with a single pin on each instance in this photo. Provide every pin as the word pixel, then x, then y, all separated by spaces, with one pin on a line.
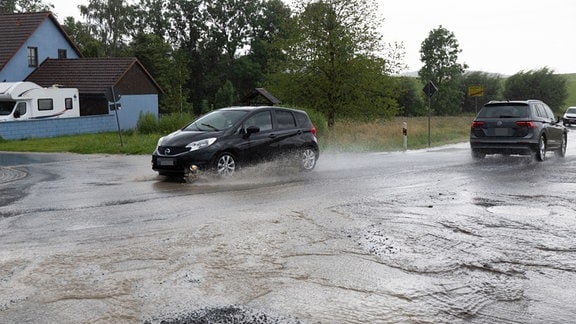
pixel 172 150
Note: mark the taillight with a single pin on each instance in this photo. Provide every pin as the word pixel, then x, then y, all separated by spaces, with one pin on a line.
pixel 529 124
pixel 477 124
pixel 313 130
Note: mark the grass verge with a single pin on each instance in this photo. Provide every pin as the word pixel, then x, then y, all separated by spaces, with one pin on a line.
pixel 374 136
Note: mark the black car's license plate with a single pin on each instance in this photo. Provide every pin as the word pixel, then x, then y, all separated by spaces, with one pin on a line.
pixel 165 161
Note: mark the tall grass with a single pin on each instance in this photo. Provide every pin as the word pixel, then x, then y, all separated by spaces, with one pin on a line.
pixel 388 136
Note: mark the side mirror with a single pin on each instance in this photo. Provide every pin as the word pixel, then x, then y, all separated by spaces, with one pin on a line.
pixel 252 130
pixel 17 113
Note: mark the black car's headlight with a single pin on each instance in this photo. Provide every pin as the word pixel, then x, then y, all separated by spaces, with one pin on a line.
pixel 194 146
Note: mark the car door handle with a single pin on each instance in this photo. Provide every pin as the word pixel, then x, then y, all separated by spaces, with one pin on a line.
pixel 272 135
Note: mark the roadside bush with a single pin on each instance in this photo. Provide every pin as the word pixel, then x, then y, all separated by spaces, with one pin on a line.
pixel 319 121
pixel 172 122
pixel 147 123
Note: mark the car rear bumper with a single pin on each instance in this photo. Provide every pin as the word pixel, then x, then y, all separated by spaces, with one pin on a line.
pixel 512 148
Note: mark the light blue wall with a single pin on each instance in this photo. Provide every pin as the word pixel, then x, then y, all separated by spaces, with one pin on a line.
pixel 48 39
pixel 133 105
pixel 15 130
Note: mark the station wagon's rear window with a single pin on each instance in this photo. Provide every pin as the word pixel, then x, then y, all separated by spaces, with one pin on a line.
pixel 504 111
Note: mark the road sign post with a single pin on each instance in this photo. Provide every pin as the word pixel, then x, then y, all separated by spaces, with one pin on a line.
pixel 476 91
pixel 113 97
pixel 405 135
pixel 429 89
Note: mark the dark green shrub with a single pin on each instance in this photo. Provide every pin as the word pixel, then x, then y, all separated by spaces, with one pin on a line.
pixel 172 122
pixel 147 123
pixel 319 121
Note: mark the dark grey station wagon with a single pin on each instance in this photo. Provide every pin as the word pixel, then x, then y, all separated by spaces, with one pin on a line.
pixel 526 127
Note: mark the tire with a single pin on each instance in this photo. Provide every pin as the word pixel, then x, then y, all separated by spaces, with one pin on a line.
pixel 308 159
pixel 477 155
pixel 225 165
pixel 541 149
pixel 561 152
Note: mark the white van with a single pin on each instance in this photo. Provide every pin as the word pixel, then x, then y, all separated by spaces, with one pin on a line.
pixel 27 100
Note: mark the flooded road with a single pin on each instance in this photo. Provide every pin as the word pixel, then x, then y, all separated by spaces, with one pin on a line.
pixel 425 236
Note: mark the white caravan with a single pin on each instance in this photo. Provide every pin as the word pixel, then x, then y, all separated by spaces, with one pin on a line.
pixel 27 100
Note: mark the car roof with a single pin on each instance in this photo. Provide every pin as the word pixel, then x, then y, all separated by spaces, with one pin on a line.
pixel 251 108
pixel 512 102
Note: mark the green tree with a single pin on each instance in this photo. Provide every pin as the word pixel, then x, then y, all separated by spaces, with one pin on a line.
pixel 225 96
pixel 246 74
pixel 541 84
pixel 492 84
pixel 111 22
pixel 151 17
pixel 214 34
pixel 165 65
pixel 81 36
pixel 270 24
pixel 439 53
pixel 230 24
pixel 19 6
pixel 411 99
pixel 330 61
pixel 394 55
pixel 222 40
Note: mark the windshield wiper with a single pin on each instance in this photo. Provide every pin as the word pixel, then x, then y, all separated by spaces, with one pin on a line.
pixel 210 126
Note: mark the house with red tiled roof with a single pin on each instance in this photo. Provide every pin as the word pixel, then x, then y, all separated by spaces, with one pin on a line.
pixel 35 48
pixel 27 39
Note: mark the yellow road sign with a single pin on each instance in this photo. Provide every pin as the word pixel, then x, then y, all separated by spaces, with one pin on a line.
pixel 476 91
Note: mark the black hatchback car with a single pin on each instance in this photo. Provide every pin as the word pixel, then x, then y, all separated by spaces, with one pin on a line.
pixel 517 127
pixel 226 139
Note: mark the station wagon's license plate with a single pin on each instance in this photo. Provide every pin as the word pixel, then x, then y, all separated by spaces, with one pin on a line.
pixel 501 131
pixel 165 161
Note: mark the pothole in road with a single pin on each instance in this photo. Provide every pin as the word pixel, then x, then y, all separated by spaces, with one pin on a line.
pixel 228 315
pixel 512 210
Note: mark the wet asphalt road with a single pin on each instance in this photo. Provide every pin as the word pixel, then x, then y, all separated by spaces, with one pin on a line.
pixel 425 236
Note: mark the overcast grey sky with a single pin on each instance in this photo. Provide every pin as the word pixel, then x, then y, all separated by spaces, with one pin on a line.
pixel 500 36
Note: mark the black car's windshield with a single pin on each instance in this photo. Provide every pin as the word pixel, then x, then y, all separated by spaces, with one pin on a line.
pixel 217 120
pixel 504 111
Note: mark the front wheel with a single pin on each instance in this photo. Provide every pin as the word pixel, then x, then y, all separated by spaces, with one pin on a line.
pixel 561 152
pixel 308 159
pixel 541 150
pixel 225 165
